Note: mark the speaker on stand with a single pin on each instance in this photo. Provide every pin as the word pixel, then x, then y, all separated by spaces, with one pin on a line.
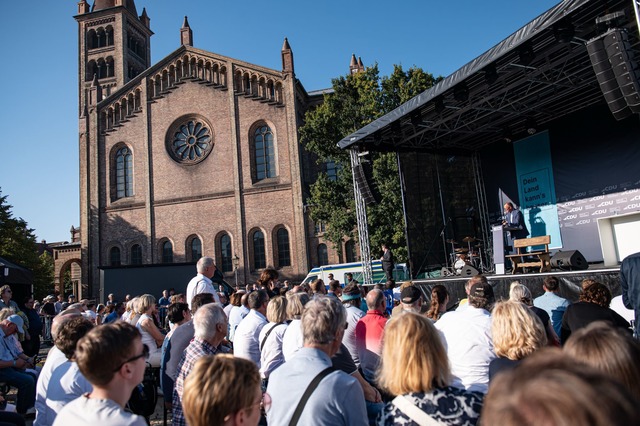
pixel 469 271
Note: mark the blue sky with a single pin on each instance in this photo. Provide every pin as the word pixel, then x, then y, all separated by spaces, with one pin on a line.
pixel 39 155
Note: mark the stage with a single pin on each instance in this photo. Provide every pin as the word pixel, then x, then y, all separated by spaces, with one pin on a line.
pixel 569 283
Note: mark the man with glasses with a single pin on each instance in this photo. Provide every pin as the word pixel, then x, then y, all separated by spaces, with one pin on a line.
pixel 201 283
pixel 12 367
pixel 112 357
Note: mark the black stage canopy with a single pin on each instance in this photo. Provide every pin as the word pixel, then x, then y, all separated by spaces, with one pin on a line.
pixel 536 75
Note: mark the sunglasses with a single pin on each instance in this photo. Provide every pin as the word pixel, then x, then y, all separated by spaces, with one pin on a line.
pixel 145 354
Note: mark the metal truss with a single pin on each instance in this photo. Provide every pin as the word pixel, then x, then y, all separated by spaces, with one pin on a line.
pixel 361 217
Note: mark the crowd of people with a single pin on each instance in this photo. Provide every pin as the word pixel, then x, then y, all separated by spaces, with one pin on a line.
pixel 282 354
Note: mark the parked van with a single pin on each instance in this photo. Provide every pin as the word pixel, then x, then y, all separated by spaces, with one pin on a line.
pixel 340 271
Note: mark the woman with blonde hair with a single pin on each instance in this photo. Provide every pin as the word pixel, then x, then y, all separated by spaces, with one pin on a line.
pixel 517 333
pixel 415 368
pixel 292 339
pixel 151 334
pixel 223 390
pixel 522 294
pixel 270 338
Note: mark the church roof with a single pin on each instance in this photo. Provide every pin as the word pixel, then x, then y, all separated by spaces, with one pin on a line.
pixel 106 4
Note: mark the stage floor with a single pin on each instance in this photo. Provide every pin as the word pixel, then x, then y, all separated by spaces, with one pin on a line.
pixel 569 282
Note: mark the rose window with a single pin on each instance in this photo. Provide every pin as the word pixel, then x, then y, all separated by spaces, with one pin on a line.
pixel 190 142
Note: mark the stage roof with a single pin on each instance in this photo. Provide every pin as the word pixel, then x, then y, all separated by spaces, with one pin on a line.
pixel 540 72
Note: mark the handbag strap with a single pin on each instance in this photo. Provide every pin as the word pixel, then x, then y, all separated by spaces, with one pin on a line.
pixel 264 339
pixel 307 393
pixel 414 413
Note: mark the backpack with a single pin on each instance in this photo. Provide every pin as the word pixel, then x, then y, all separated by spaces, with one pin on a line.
pixel 144 397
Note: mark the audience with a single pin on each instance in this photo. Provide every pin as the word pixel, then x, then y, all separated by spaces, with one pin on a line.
pixel 113 359
pixel 467 338
pixel 178 314
pixel 609 350
pixel 270 338
pixel 517 333
pixel 552 389
pixel 592 306
pixel 369 331
pixel 66 382
pixel 210 327
pixel 351 301
pixel 12 365
pixel 411 300
pixel 292 340
pixel 237 314
pixel 246 342
pixel 338 398
pixel 415 370
pixel 520 293
pixel 439 301
pixel 151 335
pixel 223 390
pixel 553 304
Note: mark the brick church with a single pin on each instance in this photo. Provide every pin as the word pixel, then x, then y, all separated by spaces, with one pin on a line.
pixel 195 155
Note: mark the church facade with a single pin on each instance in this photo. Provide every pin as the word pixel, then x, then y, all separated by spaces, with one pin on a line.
pixel 195 155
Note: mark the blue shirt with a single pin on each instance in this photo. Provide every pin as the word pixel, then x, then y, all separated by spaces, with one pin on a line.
pixel 555 307
pixel 338 399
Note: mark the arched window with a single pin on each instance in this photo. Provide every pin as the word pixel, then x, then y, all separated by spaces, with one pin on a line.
pixel 284 253
pixel 323 257
pixel 226 261
pixel 124 173
pixel 259 256
pixel 167 252
pixel 114 256
pixel 136 254
pixel 196 249
pixel 350 251
pixel 265 155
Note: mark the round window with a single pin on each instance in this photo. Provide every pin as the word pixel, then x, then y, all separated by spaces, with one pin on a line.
pixel 189 140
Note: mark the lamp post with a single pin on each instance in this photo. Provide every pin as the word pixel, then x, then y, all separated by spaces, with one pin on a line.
pixel 236 261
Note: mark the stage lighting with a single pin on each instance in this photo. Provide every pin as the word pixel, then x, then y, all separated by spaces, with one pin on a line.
pixel 526 54
pixel 507 135
pixel 461 92
pixel 564 31
pixel 531 125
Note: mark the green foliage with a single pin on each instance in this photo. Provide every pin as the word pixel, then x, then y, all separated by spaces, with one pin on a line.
pixel 358 99
pixel 18 244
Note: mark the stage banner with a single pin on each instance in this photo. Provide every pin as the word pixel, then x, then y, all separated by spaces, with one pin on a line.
pixel 536 187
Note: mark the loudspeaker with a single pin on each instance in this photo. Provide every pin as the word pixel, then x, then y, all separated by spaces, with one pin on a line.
pixel 569 260
pixel 616 43
pixel 607 79
pixel 469 271
pixel 363 185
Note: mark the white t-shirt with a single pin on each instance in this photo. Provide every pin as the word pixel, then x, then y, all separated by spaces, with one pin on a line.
pixel 55 358
pixel 66 384
pixel 201 284
pixel 93 411
pixel 292 340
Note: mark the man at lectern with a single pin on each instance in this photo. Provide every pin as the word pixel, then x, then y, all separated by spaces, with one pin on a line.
pixel 514 224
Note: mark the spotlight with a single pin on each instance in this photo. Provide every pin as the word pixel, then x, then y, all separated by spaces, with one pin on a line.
pixel 531 125
pixel 526 54
pixel 490 74
pixel 564 31
pixel 461 92
pixel 507 135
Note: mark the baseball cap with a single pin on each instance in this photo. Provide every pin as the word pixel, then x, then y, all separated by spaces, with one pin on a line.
pixel 410 294
pixel 17 321
pixel 481 290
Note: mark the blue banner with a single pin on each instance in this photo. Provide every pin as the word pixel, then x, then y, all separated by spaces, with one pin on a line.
pixel 536 187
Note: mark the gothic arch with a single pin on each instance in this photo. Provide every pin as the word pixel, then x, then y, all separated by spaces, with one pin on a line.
pixel 263 150
pixel 257 242
pixel 121 171
pixel 190 247
pixel 281 246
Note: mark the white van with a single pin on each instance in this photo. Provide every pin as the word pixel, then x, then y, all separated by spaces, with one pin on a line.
pixel 340 271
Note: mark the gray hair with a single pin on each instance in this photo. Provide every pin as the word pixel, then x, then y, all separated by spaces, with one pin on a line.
pixel 520 293
pixel 206 319
pixel 322 318
pixel 204 263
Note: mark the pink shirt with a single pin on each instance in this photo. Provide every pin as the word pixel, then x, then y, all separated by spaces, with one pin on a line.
pixel 369 332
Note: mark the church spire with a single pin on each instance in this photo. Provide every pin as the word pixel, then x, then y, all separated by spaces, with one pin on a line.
pixel 95 91
pixel 287 57
pixel 83 7
pixel 144 18
pixel 186 35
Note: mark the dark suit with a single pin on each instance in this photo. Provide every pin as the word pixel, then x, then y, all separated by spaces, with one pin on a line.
pixel 387 264
pixel 630 283
pixel 516 227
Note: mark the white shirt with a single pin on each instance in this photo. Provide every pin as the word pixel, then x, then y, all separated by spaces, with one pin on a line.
pixel 200 284
pixel 623 311
pixel 292 340
pixel 271 356
pixel 349 340
pixel 245 342
pixel 66 384
pixel 55 358
pixel 236 315
pixel 93 411
pixel 466 336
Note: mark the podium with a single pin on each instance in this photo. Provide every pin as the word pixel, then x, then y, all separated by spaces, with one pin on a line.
pixel 497 232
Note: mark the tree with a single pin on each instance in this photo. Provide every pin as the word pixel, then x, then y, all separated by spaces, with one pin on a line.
pixel 18 244
pixel 358 99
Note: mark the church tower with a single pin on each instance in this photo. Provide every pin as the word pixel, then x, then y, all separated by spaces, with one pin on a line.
pixel 113 45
